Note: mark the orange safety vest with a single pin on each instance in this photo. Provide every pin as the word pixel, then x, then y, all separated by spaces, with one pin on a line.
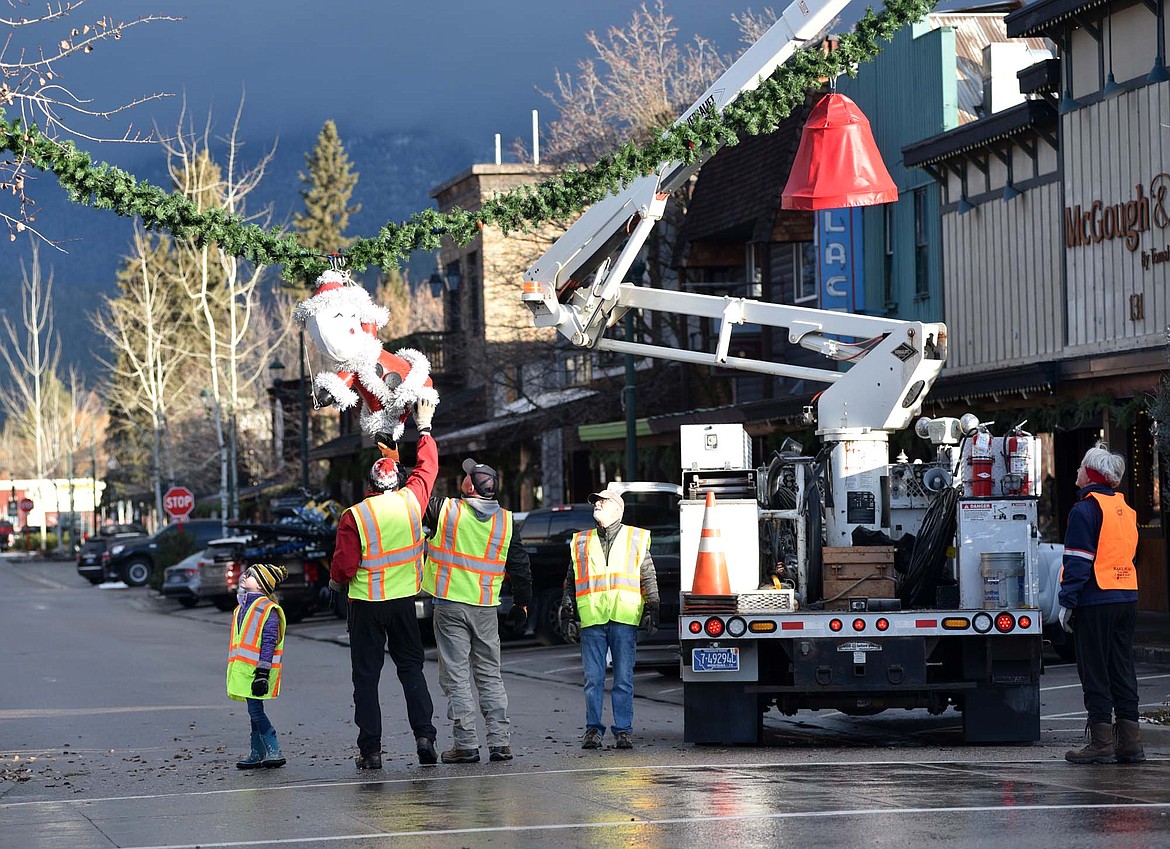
pixel 1117 544
pixel 244 651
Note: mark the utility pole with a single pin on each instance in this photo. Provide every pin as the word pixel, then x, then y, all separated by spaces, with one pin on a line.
pixel 304 418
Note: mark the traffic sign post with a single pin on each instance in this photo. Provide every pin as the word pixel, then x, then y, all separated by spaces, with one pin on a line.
pixel 179 502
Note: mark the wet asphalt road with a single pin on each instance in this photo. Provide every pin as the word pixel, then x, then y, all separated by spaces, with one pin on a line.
pixel 114 731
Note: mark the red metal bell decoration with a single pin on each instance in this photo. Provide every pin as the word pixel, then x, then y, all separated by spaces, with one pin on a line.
pixel 837 163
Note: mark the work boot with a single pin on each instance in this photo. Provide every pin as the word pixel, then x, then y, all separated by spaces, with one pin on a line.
pixel 1100 747
pixel 592 739
pixel 461 756
pixel 623 740
pixel 272 755
pixel 1127 742
pixel 500 753
pixel 371 761
pixel 427 756
pixel 255 757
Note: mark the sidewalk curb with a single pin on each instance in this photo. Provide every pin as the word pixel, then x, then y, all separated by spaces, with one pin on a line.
pixel 1159 655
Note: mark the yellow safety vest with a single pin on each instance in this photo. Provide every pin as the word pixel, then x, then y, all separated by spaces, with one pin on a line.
pixel 466 556
pixel 390 527
pixel 244 650
pixel 609 590
pixel 1116 545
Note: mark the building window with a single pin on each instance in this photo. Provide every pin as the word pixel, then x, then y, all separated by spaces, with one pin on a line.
pixel 889 293
pixel 804 256
pixel 578 369
pixel 474 290
pixel 921 247
pixel 513 384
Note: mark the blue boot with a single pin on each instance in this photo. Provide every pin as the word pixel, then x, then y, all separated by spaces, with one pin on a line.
pixel 256 757
pixel 272 755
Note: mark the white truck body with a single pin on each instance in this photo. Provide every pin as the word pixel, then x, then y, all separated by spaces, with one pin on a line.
pixel 907 644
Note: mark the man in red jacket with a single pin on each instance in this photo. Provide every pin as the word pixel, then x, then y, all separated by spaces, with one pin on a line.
pixel 379 556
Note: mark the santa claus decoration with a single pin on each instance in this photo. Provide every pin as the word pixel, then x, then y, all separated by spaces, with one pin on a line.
pixel 343 322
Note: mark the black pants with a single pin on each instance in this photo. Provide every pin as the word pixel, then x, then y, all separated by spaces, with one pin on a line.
pixel 375 626
pixel 1103 635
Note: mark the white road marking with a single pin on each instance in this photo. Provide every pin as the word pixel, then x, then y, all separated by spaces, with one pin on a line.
pixel 42 713
pixel 643 823
pixel 1077 686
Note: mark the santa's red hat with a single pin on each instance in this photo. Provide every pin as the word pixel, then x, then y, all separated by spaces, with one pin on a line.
pixel 334 287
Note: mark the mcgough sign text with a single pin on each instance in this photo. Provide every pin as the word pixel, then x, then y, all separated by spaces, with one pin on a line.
pixel 1101 222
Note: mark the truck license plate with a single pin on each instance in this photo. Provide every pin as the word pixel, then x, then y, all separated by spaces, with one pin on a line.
pixel 715 660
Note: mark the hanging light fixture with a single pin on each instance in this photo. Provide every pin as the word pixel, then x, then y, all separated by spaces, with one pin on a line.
pixel 838 163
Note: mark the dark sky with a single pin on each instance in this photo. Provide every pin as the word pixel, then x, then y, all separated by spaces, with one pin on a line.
pixel 468 69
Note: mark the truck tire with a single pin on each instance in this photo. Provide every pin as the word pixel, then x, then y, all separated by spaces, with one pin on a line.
pixel 137 572
pixel 546 620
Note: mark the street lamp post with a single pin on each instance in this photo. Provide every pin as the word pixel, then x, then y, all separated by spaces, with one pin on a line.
pixel 277 372
pixel 304 393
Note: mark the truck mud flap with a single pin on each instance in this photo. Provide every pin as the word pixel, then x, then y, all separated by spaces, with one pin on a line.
pixel 721 714
pixel 1002 714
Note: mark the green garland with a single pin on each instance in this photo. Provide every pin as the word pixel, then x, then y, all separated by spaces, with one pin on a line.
pixel 760 111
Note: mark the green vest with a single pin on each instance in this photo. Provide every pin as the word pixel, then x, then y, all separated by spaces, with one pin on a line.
pixel 390 527
pixel 244 650
pixel 609 590
pixel 466 556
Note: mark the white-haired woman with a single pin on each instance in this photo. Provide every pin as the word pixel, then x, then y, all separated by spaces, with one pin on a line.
pixel 1098 604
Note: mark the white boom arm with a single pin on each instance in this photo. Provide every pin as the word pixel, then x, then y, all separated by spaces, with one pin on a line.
pixel 576 286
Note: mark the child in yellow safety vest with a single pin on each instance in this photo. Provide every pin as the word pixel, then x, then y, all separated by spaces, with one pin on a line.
pixel 255 653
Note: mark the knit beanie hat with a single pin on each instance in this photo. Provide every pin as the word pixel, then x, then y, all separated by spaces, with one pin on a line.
pixel 268 576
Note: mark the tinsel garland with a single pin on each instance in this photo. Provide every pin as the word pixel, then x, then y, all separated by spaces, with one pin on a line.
pixel 755 112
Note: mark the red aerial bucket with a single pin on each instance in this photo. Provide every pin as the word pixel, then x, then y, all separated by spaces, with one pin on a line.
pixel 980 476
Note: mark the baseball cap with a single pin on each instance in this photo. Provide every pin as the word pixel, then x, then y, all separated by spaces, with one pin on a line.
pixel 484 479
pixel 611 494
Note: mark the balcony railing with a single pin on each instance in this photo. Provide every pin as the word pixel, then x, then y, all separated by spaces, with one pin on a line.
pixel 441 348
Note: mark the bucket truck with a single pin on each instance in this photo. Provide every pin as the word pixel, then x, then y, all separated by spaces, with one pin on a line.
pixel 857 584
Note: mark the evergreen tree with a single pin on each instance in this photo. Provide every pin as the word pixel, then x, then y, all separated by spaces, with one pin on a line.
pixel 329 185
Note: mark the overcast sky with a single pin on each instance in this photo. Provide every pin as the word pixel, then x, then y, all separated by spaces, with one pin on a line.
pixel 468 69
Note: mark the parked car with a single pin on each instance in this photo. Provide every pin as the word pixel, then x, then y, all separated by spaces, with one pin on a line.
pixel 7 535
pixel 181 581
pixel 94 554
pixel 134 560
pixel 304 591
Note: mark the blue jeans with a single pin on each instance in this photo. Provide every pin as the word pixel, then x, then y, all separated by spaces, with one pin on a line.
pixel 620 640
pixel 260 723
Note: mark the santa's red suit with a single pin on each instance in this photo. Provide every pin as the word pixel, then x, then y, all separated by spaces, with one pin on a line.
pixel 343 321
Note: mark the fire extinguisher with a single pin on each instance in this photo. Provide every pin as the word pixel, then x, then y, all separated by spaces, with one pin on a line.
pixel 980 463
pixel 1017 451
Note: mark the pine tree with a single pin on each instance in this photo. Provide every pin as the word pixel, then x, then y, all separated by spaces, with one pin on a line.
pixel 329 184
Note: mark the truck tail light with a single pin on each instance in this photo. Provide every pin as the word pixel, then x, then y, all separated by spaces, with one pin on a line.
pixel 858 624
pixel 883 624
pixel 1025 621
pixel 713 626
pixel 1005 622
pixel 696 627
pixel 836 625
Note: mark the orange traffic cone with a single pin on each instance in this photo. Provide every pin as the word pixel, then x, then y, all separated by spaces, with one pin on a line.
pixel 711 564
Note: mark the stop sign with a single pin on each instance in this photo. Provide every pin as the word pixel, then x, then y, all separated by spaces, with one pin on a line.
pixel 26 504
pixel 178 502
